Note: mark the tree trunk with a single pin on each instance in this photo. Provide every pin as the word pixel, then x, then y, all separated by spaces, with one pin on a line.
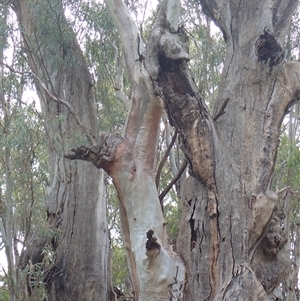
pixel 292 237
pixel 235 233
pixel 76 192
pixel 157 272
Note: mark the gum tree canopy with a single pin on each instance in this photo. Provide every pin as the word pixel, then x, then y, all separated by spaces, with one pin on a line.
pixel 231 245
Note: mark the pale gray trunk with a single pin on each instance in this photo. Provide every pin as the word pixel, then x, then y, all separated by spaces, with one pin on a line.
pixel 157 272
pixel 76 192
pixel 236 246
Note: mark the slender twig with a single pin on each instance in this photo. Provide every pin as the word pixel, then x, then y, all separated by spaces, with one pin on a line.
pixel 174 180
pixel 290 190
pixel 57 100
pixel 164 159
pixel 283 190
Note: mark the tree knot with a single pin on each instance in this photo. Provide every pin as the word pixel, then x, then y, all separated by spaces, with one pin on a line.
pixel 173 45
pixel 268 49
pixel 152 243
pixel 275 237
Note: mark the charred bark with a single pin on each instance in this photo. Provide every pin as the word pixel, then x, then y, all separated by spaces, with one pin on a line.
pixel 229 217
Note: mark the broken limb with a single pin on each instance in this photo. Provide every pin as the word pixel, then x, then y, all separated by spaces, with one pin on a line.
pixel 101 153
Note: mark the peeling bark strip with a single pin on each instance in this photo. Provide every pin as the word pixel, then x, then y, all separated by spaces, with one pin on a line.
pixel 184 104
pixel 153 264
pixel 167 55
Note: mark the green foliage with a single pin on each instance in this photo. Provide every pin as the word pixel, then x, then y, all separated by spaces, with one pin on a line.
pixel 56 51
pixel 35 274
pixel 100 44
pixel 120 274
pixel 287 171
pixel 4 294
pixel 288 160
pixel 26 141
pixel 172 212
pixel 23 157
pixel 119 270
pixel 207 50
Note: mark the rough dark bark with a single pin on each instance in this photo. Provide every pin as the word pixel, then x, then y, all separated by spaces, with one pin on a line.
pixel 76 193
pixel 230 217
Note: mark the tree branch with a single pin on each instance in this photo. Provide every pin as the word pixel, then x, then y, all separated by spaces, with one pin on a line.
pixel 164 159
pixel 99 154
pixel 288 88
pixel 213 9
pixel 222 109
pixel 142 125
pixel 169 15
pixel 282 11
pixel 132 43
pixel 172 160
pixel 174 180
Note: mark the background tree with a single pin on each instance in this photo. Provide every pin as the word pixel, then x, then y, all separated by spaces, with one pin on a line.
pixel 76 212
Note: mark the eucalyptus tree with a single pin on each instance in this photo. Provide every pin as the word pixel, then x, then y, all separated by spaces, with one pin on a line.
pixel 286 182
pixel 231 243
pixel 76 206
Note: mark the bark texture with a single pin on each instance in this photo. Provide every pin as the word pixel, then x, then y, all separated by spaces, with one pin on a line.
pixel 76 192
pixel 235 233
